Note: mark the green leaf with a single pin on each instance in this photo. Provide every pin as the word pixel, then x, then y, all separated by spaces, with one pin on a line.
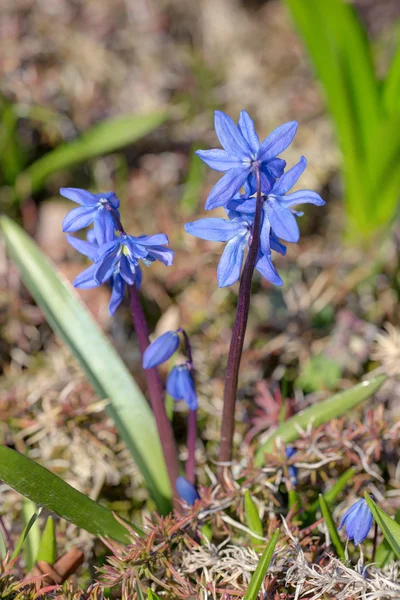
pixel 47 490
pixel 68 316
pixel 139 592
pixel 48 546
pixel 336 541
pixel 32 519
pixel 261 570
pixel 253 520
pixel 384 553
pixel 11 154
pixel 320 413
pixel 336 489
pixel 388 526
pixel 103 138
pixel 32 541
pixel 152 595
pixel 3 546
pixel 391 86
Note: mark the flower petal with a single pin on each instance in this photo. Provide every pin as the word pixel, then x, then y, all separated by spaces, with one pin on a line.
pixel 265 235
pixel 283 222
pixel 276 244
pixel 161 349
pixel 111 197
pixel 246 206
pixel 302 197
pixel 86 279
pixel 230 137
pixel 215 229
pixel 186 490
pixel 117 294
pixel 79 196
pixel 248 131
pixel 78 218
pixel 104 268
pixel 85 248
pixel 230 263
pixel 149 240
pixel 276 167
pixel 227 187
pixel 104 226
pixel 266 268
pixel 277 141
pixel 288 179
pixel 164 255
pixel 127 270
pixel 218 159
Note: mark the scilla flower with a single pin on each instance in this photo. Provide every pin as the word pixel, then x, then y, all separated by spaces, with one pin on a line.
pixel 242 153
pixel 180 386
pixel 161 349
pixel 94 209
pixel 357 521
pixel 186 491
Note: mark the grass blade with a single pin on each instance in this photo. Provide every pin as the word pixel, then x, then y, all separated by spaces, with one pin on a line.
pixel 261 569
pixel 46 489
pixel 26 530
pixel 335 490
pixel 389 527
pixel 68 316
pixel 32 541
pixel 48 546
pixel 320 413
pixel 103 138
pixel 333 533
pixel 391 86
pixel 253 520
pixel 3 546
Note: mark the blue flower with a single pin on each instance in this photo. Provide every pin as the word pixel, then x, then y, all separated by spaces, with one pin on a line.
pixel 180 386
pixel 161 349
pixel 292 469
pixel 235 231
pixel 357 521
pixel 243 154
pixel 186 491
pixel 95 208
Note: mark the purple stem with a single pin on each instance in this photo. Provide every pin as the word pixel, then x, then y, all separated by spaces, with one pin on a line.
pixel 156 391
pixel 190 466
pixel 239 330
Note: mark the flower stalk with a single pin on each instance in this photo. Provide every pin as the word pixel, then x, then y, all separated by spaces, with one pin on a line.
pixel 190 467
pixel 239 330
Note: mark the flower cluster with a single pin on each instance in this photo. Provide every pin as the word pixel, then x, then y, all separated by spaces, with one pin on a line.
pixel 180 384
pixel 243 158
pixel 114 253
pixel 357 521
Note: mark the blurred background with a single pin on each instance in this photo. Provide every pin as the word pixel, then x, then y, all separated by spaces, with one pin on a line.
pixel 68 66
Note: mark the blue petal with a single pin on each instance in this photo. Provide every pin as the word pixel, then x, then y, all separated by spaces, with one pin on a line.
pixel 248 131
pixel 151 240
pixel 266 268
pixel 91 237
pixel 108 248
pixel 230 137
pixel 78 218
pixel 227 187
pixel 111 197
pixel 117 294
pixel 267 180
pixel 265 235
pixel 126 270
pixel 136 249
pixel 104 269
pixel 164 255
pixel 138 277
pixel 277 141
pixel 215 229
pixel 276 167
pixel 86 279
pixel 79 196
pixel 104 226
pixel 288 179
pixel 361 524
pixel 230 264
pixel 218 159
pixel 302 197
pixel 282 221
pixel 276 244
pixel 86 248
pixel 172 384
pixel 161 349
pixel 353 508
pixel 186 491
pixel 243 205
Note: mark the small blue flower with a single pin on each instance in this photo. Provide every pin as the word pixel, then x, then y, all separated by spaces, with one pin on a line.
pixel 235 231
pixel 180 386
pixel 242 154
pixel 161 349
pixel 357 521
pixel 95 208
pixel 292 469
pixel 186 491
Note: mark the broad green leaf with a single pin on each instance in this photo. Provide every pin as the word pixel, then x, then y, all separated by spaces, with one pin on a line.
pixel 384 553
pixel 388 526
pixel 336 541
pixel 323 412
pixel 32 519
pixel 253 520
pixel 48 546
pixel 31 545
pixel 261 569
pixel 103 138
pixel 47 490
pixel 391 85
pixel 68 316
